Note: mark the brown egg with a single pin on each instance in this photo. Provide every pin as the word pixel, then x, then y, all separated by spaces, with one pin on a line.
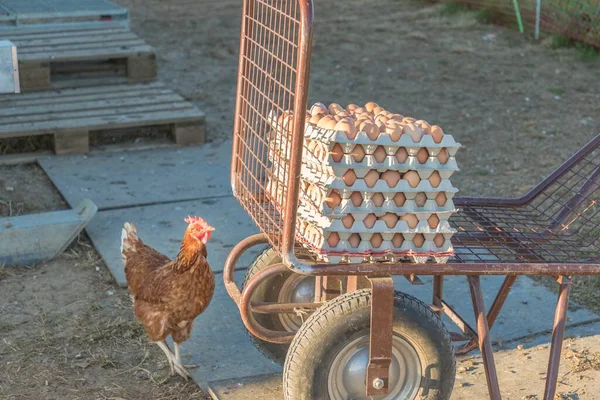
pixel 397 240
pixel 370 220
pixel 349 177
pixel 351 107
pixel 333 239
pixel 414 132
pixel 356 199
pixel 359 110
pixel 354 240
pixel 369 128
pixel 394 129
pixel 443 156
pixel 316 118
pixel 358 153
pixel 327 122
pixel 411 220
pixel 334 108
pixel 382 118
pixel 437 133
pixel 376 240
pixel 337 117
pixel 441 199
pixel 348 220
pixel 412 178
pixel 396 117
pixel 380 154
pixel 399 199
pixel 439 240
pixel 380 126
pixel 377 110
pixel 420 199
pixel 424 125
pixel 344 114
pixel 307 119
pixel 419 240
pixel 371 178
pixel 401 155
pixel 378 199
pixel 391 177
pixel 422 155
pixel 346 125
pixel 408 120
pixel 390 219
pixel 370 106
pixel 433 221
pixel 333 200
pixel 337 153
pixel 319 108
pixel 435 179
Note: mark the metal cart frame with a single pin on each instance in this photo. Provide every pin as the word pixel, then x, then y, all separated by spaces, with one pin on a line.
pixel 553 230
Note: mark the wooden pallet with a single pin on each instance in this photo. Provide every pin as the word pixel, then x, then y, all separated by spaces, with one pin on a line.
pixel 25 12
pixel 104 50
pixel 70 115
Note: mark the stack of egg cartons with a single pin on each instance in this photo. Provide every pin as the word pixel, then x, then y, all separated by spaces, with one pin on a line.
pixel 374 185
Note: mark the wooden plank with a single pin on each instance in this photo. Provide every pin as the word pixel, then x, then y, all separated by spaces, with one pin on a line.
pixel 89 54
pixel 188 133
pixel 76 93
pixel 125 120
pixel 46 41
pixel 91 42
pixel 70 27
pixel 58 110
pixel 71 142
pixel 55 33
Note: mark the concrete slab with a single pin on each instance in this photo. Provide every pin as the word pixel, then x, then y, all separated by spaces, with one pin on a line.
pixel 219 343
pixel 162 226
pixel 521 373
pixel 120 179
pixel 529 308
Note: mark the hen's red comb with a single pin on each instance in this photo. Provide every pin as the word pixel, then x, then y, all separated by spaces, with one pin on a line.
pixel 196 220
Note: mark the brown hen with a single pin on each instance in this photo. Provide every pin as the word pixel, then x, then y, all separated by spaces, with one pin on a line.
pixel 169 294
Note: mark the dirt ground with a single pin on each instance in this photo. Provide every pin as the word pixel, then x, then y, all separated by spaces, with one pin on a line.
pixel 66 329
pixel 519 108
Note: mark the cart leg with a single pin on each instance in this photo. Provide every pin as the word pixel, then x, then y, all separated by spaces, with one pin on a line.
pixel 380 347
pixel 494 311
pixel 438 292
pixel 558 332
pixel 485 343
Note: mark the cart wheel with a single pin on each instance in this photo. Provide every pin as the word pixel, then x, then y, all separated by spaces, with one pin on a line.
pixel 328 357
pixel 284 288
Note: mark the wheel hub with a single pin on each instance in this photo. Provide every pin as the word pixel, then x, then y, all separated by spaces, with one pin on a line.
pixel 296 289
pixel 349 369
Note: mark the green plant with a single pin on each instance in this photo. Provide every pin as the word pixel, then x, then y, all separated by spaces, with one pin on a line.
pixel 587 52
pixel 451 8
pixel 560 41
pixel 486 16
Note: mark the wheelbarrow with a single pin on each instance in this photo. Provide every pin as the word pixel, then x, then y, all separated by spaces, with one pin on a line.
pixel 340 330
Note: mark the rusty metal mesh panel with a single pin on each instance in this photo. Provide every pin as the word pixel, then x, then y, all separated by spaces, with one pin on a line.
pixel 560 225
pixel 266 86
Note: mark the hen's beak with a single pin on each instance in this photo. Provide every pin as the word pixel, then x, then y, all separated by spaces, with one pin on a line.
pixel 210 228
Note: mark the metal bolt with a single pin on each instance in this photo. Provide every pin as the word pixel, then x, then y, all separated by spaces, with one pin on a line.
pixel 378 383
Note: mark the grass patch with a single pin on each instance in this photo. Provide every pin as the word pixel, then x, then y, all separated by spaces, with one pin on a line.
pixel 560 41
pixel 557 91
pixel 587 52
pixel 450 8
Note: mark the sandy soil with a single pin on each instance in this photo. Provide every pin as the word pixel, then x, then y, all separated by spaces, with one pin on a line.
pixel 518 107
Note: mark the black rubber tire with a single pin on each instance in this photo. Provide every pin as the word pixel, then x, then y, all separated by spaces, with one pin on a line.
pixel 268 292
pixel 326 332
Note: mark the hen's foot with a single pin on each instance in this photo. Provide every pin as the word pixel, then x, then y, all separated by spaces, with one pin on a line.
pixel 192 366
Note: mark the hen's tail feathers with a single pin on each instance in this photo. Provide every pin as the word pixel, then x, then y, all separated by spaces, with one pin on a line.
pixel 129 240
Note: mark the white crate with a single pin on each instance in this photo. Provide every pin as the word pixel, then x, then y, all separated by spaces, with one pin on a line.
pixel 9 68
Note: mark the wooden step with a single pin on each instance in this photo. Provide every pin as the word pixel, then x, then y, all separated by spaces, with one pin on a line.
pixel 71 114
pixel 77 51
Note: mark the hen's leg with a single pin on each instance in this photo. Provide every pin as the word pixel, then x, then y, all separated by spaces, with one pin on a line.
pixel 176 367
pixel 178 357
pixel 165 348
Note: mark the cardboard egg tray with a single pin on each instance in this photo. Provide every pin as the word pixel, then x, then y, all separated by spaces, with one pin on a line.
pixel 320 161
